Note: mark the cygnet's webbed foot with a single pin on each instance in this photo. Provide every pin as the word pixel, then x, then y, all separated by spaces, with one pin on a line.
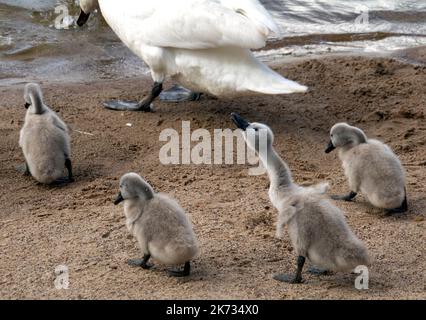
pixel 288 278
pixel 178 94
pixel 23 169
pixel 319 271
pixel 143 263
pixel 403 208
pixel 297 278
pixel 145 105
pixel 181 273
pixel 62 181
pixel 345 197
pixel 139 263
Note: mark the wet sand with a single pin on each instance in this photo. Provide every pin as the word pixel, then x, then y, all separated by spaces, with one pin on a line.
pixel 77 225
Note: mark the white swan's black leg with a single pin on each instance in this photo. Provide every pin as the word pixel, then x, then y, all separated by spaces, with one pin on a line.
pixel 346 197
pixel 181 273
pixel 178 94
pixel 144 105
pixel 297 278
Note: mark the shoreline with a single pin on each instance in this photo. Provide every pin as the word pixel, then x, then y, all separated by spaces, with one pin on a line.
pixel 273 57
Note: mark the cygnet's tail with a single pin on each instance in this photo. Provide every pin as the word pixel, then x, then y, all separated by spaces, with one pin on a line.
pixel 316 189
pixel 320 188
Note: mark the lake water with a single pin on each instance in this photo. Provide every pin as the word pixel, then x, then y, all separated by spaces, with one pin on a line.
pixel 34 48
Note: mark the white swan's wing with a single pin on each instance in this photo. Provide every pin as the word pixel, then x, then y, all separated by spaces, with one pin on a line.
pixel 254 11
pixel 193 24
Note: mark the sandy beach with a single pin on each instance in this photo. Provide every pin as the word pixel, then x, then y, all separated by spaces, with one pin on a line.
pixel 77 225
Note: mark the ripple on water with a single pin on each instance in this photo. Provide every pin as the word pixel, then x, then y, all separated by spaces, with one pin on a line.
pixel 31 46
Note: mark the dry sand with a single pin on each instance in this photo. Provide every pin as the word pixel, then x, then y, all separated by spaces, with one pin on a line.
pixel 77 225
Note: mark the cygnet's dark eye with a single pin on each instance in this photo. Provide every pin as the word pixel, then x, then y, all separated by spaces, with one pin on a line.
pixel 255 129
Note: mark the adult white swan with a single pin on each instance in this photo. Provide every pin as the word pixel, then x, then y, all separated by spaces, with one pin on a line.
pixel 203 44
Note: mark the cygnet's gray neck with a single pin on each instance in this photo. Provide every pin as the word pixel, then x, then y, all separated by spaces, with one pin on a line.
pixel 135 208
pixel 36 103
pixel 278 171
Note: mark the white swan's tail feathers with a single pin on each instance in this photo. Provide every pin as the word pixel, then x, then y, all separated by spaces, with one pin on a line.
pixel 285 87
pixel 228 70
pixel 268 81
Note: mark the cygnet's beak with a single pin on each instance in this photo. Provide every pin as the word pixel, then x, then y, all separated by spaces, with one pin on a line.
pixel 330 147
pixel 239 122
pixel 118 199
pixel 82 19
pixel 27 105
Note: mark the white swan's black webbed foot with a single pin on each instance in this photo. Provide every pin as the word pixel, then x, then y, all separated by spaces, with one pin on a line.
pixel 145 105
pixel 124 105
pixel 178 94
pixel 143 263
pixel 297 278
pixel 181 273
pixel 346 197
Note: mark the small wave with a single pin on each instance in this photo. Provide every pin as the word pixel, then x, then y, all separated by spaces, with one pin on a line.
pixel 32 44
pixel 35 5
